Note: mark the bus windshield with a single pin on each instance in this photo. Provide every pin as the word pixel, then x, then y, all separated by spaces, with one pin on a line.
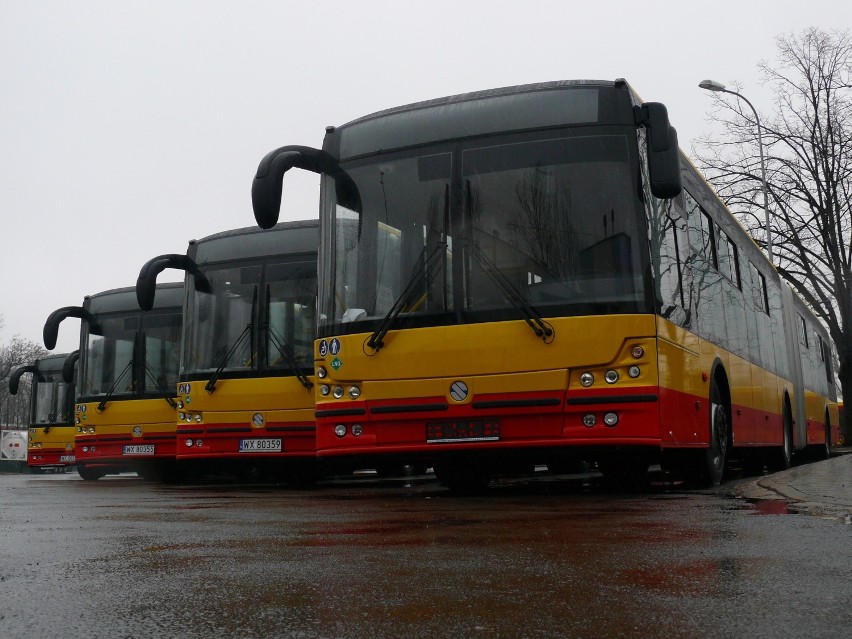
pixel 258 317
pixel 555 217
pixel 51 406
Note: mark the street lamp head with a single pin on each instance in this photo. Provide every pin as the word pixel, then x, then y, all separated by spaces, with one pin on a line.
pixel 710 85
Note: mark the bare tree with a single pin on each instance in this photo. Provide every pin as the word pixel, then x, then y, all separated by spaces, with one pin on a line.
pixel 808 143
pixel 14 409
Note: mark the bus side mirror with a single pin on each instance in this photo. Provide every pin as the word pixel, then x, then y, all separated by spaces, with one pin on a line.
pixel 51 326
pixel 663 154
pixel 15 377
pixel 69 367
pixel 268 182
pixel 146 283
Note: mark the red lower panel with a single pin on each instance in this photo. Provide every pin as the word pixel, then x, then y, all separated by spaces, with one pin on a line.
pixel 222 441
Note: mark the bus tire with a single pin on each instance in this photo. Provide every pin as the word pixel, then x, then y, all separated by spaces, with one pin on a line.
pixel 822 451
pixel 89 474
pixel 712 461
pixel 464 477
pixel 781 457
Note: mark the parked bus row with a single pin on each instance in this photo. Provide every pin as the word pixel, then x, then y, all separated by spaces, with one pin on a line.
pixel 498 280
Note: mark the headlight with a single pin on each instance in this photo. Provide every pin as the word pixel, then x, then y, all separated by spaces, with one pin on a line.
pixel 587 379
pixel 633 371
pixel 321 372
pixel 611 376
pixel 337 392
pixel 354 392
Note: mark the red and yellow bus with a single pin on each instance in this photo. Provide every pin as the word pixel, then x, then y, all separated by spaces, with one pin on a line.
pixel 535 275
pixel 245 393
pixel 50 444
pixel 125 411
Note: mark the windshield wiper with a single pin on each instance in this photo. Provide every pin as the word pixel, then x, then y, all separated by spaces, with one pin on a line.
pixel 160 387
pixel 425 273
pixel 290 358
pixel 531 316
pixel 210 386
pixel 102 404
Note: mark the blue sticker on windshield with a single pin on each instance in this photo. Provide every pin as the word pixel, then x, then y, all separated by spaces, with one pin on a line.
pixel 323 348
pixel 334 347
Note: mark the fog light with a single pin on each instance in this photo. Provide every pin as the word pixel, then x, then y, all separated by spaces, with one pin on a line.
pixel 589 420
pixel 198 443
pixel 633 371
pixel 587 379
pixel 611 376
pixel 92 430
pixel 357 429
pixel 189 417
pixel 337 392
pixel 188 443
pixel 340 430
pixel 198 418
pixel 91 449
pixel 611 419
pixel 638 352
pixel 325 389
pixel 321 372
pixel 354 392
pixel 85 449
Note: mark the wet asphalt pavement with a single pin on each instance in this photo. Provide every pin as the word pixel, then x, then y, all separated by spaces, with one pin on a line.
pixel 547 557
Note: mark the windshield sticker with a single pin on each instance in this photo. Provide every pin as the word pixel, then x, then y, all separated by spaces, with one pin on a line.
pixel 334 347
pixel 323 348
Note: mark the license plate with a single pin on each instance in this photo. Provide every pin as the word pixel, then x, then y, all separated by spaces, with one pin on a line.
pixel 463 430
pixel 67 458
pixel 139 449
pixel 271 445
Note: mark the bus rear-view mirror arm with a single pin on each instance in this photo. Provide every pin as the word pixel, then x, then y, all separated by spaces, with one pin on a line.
pixel 268 182
pixel 15 377
pixel 51 326
pixel 146 283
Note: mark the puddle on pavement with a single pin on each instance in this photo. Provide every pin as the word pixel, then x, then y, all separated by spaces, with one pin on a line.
pixel 771 507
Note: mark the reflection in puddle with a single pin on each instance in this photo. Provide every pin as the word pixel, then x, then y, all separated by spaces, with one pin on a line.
pixel 771 507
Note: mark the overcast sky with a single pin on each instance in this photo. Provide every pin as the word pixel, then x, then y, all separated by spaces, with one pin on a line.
pixel 128 128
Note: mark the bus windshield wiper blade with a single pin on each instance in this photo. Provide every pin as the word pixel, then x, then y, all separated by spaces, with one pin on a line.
pixel 102 404
pixel 160 387
pixel 210 386
pixel 531 316
pixel 425 273
pixel 290 357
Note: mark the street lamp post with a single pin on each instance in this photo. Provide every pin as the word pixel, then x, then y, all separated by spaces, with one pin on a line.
pixel 710 85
